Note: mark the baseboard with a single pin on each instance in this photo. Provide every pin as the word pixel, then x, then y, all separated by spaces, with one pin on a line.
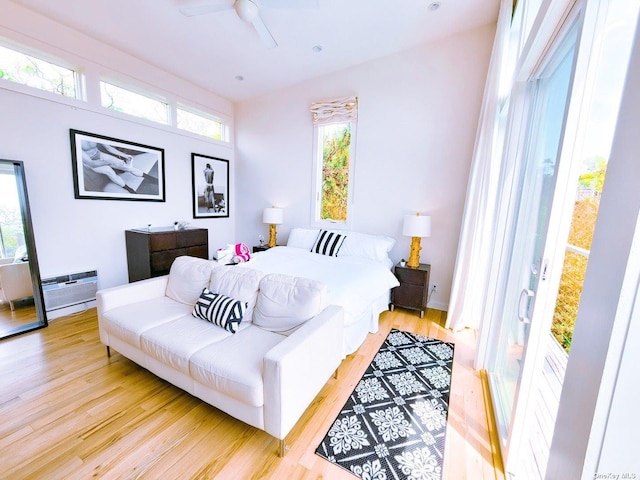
pixel 439 306
pixel 494 439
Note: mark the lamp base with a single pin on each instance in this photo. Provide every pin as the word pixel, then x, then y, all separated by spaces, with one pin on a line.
pixel 414 256
pixel 272 236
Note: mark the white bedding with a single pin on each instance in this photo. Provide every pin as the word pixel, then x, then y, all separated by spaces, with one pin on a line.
pixel 355 283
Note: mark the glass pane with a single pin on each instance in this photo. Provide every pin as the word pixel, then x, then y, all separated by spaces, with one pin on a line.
pixel 609 80
pixel 537 185
pixel 200 124
pixel 126 101
pixel 33 72
pixel 336 151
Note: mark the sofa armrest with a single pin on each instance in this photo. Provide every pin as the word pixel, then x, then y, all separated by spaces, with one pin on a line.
pixel 297 368
pixel 113 297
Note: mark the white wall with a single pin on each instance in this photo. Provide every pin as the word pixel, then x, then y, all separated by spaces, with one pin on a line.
pixel 418 112
pixel 76 235
pixel 597 431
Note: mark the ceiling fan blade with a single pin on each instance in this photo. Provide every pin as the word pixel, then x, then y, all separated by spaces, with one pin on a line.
pixel 204 9
pixel 289 3
pixel 263 32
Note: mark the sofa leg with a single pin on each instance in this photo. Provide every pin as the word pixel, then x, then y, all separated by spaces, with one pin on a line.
pixel 108 351
pixel 282 449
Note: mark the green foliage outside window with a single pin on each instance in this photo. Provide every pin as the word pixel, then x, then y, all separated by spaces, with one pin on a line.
pixel 335 171
pixel 26 70
pixel 575 265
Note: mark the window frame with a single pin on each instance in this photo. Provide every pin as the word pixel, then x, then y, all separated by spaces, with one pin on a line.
pixel 316 186
pixel 224 127
pixel 78 80
pixel 145 94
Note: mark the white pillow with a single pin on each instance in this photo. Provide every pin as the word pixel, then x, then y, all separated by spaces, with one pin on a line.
pixel 239 283
pixel 302 237
pixel 187 277
pixel 286 302
pixel 374 247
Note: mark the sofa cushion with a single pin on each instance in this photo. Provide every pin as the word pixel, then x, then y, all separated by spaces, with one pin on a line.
pixel 174 342
pixel 286 302
pixel 187 277
pixel 234 367
pixel 223 311
pixel 239 283
pixel 130 321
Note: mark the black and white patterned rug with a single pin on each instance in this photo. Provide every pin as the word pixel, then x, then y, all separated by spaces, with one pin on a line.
pixel 394 423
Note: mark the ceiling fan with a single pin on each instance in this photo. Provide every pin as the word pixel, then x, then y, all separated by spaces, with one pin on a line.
pixel 249 11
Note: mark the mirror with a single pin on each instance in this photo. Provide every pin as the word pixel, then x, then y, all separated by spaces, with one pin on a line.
pixel 21 300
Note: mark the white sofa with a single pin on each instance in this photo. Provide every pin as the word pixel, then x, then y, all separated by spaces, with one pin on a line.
pixel 286 347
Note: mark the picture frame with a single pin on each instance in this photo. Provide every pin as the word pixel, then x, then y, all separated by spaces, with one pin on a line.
pixel 210 186
pixel 106 168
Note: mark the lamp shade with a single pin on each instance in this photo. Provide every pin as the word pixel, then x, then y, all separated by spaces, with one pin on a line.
pixel 416 226
pixel 272 216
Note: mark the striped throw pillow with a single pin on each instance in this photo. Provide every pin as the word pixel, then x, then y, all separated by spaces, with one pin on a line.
pixel 220 310
pixel 328 243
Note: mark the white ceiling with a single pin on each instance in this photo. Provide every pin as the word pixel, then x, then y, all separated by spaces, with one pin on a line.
pixel 212 50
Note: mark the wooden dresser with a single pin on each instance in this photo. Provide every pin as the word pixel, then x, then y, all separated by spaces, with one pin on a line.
pixel 150 252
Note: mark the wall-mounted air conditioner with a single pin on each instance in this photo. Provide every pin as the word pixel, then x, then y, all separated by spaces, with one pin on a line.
pixel 67 290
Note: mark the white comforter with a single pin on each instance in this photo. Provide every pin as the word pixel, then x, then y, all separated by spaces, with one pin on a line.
pixel 353 282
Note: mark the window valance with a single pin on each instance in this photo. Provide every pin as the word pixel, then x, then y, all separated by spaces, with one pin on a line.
pixel 332 111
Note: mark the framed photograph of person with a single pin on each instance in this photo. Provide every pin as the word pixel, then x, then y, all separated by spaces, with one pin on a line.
pixel 110 169
pixel 210 184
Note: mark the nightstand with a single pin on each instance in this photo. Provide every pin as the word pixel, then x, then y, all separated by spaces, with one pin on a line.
pixel 260 248
pixel 414 288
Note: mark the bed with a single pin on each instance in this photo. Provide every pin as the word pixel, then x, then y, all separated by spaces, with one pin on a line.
pixel 357 273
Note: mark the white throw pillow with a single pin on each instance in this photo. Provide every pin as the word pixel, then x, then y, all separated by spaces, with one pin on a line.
pixel 239 283
pixel 187 277
pixel 302 237
pixel 286 302
pixel 374 247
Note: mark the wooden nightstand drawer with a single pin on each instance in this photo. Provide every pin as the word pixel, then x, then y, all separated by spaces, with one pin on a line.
pixel 409 275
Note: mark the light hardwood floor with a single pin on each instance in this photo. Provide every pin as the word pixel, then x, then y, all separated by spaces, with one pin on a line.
pixel 67 411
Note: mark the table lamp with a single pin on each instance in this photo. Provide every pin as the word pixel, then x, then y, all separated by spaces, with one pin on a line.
pixel 416 226
pixel 273 216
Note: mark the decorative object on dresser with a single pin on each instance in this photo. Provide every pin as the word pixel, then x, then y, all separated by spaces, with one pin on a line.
pixel 414 288
pixel 210 186
pixel 106 168
pixel 151 251
pixel 416 226
pixel 272 216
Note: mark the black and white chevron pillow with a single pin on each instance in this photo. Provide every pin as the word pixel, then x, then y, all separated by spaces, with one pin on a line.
pixel 328 243
pixel 220 310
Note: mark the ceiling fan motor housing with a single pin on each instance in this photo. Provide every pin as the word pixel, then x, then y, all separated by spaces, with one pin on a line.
pixel 246 10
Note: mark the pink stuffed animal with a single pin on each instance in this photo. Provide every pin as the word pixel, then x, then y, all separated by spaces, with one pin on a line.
pixel 242 253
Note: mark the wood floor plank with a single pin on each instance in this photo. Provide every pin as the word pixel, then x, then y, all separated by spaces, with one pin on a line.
pixel 69 411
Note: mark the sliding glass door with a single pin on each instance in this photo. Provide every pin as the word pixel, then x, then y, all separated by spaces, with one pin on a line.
pixel 524 263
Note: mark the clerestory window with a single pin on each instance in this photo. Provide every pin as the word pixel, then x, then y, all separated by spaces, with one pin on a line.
pixel 37 73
